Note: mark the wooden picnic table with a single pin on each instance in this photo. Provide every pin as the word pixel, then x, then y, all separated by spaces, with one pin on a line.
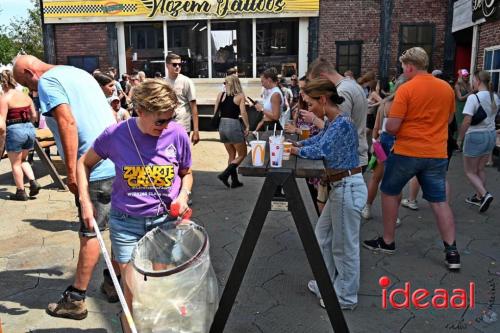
pixel 45 139
pixel 286 177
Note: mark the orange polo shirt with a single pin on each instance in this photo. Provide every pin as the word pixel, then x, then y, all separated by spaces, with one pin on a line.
pixel 425 104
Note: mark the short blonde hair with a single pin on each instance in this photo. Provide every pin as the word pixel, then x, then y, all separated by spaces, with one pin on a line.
pixel 154 96
pixel 415 56
pixel 233 85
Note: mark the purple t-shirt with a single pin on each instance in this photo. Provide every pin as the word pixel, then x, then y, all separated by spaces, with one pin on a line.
pixel 163 156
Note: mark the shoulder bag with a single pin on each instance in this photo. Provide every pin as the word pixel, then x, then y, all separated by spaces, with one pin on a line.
pixel 215 121
pixel 479 115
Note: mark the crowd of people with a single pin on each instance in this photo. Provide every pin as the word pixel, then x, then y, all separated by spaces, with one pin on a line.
pixel 127 150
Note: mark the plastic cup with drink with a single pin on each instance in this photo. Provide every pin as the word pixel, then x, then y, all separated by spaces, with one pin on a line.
pixel 287 150
pixel 258 152
pixel 305 131
pixel 276 148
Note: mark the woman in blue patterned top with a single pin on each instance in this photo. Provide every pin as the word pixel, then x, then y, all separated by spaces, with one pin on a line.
pixel 338 226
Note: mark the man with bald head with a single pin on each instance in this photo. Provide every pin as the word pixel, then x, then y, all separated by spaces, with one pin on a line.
pixel 76 112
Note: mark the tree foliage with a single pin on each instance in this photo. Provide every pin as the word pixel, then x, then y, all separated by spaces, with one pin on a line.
pixel 22 36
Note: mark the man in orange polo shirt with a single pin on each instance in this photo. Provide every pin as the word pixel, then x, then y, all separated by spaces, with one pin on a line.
pixel 419 119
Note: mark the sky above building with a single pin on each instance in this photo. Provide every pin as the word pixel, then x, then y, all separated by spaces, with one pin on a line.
pixel 13 8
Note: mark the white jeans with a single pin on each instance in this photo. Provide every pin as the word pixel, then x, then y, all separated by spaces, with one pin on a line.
pixel 337 232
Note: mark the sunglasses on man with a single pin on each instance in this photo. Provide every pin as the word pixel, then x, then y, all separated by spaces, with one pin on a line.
pixel 176 64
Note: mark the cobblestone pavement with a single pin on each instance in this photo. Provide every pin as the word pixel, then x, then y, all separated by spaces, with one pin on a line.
pixel 39 249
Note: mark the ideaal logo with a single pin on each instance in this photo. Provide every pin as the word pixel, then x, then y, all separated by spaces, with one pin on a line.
pixel 139 176
pixel 112 8
pixel 422 298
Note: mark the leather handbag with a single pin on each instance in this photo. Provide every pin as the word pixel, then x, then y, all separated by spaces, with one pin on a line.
pixel 217 115
pixel 479 115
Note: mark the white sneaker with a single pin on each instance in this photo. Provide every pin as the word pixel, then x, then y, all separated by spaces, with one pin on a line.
pixel 412 204
pixel 366 213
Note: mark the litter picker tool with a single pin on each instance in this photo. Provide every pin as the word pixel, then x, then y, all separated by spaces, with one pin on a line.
pixel 119 291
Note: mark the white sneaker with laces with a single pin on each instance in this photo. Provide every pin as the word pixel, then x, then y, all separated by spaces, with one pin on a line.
pixel 412 204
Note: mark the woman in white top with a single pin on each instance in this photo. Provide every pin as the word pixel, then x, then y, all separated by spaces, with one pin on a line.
pixel 272 101
pixel 480 138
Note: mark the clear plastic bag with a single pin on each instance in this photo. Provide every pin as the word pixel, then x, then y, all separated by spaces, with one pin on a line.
pixel 173 283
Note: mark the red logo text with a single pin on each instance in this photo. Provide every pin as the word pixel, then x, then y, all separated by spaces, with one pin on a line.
pixel 422 298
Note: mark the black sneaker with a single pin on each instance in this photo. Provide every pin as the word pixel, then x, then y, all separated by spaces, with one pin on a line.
pixel 19 196
pixel 452 259
pixel 378 245
pixel 34 188
pixel 473 200
pixel 485 202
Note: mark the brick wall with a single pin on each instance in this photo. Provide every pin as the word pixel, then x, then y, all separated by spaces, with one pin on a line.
pixel 82 39
pixel 489 35
pixel 425 11
pixel 342 20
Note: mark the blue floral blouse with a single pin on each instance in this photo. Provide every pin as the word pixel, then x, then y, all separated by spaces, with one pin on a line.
pixel 337 144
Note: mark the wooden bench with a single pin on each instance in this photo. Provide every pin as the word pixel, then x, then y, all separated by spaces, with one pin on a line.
pixel 45 139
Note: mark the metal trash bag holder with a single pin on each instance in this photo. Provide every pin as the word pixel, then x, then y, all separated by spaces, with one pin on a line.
pixel 173 283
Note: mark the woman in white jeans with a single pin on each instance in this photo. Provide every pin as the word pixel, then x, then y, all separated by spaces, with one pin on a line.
pixel 338 226
pixel 479 139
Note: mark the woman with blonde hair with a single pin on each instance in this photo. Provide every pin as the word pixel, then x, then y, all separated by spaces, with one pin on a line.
pixel 463 90
pixel 152 158
pixel 17 133
pixel 479 139
pixel 232 105
pixel 338 226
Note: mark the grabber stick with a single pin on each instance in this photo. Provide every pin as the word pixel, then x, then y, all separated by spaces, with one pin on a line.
pixel 119 291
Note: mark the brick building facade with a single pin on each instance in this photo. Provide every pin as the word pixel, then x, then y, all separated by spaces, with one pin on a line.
pixel 75 40
pixel 360 20
pixel 359 35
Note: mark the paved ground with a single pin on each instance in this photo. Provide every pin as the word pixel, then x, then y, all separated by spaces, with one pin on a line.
pixel 39 247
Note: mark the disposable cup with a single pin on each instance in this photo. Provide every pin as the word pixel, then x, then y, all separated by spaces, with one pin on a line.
pixel 276 154
pixel 258 152
pixel 287 150
pixel 304 132
pixel 276 139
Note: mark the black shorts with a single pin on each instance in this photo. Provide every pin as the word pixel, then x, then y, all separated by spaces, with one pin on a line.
pixel 370 120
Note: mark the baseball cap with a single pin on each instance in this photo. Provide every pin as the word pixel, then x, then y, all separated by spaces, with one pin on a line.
pixel 463 72
pixel 112 99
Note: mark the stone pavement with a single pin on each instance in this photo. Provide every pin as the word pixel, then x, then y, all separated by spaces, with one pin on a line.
pixel 39 249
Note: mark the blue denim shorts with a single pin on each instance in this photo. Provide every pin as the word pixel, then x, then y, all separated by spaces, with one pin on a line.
pixel 20 137
pixel 127 230
pixel 478 144
pixel 430 172
pixel 387 141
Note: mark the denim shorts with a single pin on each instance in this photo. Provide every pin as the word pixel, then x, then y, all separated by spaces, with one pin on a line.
pixel 430 172
pixel 230 131
pixel 478 144
pixel 20 137
pixel 100 196
pixel 126 230
pixel 387 141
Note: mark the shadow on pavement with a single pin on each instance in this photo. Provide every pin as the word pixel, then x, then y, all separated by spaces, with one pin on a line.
pixel 53 225
pixel 17 286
